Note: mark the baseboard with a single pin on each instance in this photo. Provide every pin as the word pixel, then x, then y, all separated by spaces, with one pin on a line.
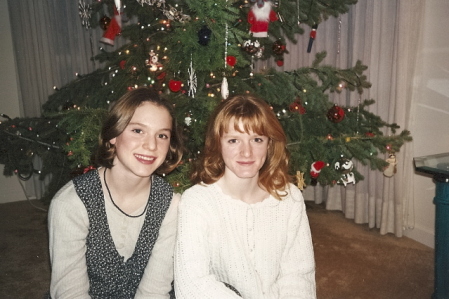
pixel 421 235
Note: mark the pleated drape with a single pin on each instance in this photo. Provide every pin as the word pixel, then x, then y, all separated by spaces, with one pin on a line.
pixel 385 36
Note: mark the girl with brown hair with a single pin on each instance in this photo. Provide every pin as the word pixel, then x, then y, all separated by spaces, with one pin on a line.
pixel 112 230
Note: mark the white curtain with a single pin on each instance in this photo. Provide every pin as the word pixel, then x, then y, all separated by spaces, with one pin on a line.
pixel 384 35
pixel 51 46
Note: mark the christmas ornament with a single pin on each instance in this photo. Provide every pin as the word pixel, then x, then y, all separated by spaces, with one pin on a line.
pixel 122 64
pixel 315 168
pixel 259 53
pixel 251 47
pixel 161 76
pixel 336 114
pixel 153 63
pixel 280 62
pixel 204 35
pixel 300 180
pixel 312 37
pixel 279 48
pixel 231 60
pixel 158 3
pixel 259 17
pixel 175 85
pixel 173 14
pixel 297 106
pixel 193 81
pixel 345 166
pixel 104 22
pixel 114 27
pixel 84 13
pixel 88 168
pixel 188 120
pixel 224 88
pixel 391 169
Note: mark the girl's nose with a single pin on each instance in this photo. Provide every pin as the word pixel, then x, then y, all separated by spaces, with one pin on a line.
pixel 246 150
pixel 150 143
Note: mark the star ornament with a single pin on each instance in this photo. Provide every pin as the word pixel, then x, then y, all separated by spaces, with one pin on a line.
pixel 84 13
pixel 300 183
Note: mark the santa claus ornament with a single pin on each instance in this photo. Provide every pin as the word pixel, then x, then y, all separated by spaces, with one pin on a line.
pixel 115 26
pixel 315 170
pixel 259 16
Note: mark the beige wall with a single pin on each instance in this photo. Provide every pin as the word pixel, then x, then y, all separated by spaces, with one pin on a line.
pixel 10 189
pixel 430 112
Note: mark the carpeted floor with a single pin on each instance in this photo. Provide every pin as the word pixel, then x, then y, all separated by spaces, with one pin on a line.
pixel 353 261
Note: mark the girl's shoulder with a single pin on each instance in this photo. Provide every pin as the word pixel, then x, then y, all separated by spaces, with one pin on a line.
pixel 198 195
pixel 198 189
pixel 293 194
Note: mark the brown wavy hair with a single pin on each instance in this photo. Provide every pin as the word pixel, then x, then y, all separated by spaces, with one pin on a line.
pixel 257 116
pixel 118 119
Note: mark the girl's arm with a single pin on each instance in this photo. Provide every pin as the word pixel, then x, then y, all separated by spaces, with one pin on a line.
pixel 297 273
pixel 68 227
pixel 193 279
pixel 157 279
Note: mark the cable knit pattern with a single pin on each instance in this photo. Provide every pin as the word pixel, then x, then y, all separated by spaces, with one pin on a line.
pixel 264 250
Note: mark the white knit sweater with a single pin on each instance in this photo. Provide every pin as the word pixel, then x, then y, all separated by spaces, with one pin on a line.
pixel 68 227
pixel 264 250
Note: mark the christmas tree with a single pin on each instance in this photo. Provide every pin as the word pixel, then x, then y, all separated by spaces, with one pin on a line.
pixel 198 53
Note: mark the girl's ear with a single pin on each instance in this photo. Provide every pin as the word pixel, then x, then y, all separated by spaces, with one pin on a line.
pixel 113 140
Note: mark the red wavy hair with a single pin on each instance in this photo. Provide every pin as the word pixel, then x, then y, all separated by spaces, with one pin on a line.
pixel 257 116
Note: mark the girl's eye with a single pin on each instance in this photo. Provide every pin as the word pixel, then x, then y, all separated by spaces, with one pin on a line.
pixel 232 140
pixel 138 131
pixel 163 136
pixel 258 139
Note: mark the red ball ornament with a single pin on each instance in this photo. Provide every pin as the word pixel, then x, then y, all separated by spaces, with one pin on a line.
pixel 279 48
pixel 294 106
pixel 174 85
pixel 297 107
pixel 122 64
pixel 369 134
pixel 104 22
pixel 280 62
pixel 336 114
pixel 231 60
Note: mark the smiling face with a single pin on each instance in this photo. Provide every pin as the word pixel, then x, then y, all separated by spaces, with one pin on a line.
pixel 142 147
pixel 243 153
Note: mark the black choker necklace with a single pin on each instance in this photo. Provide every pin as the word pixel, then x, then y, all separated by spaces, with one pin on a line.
pixel 109 192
